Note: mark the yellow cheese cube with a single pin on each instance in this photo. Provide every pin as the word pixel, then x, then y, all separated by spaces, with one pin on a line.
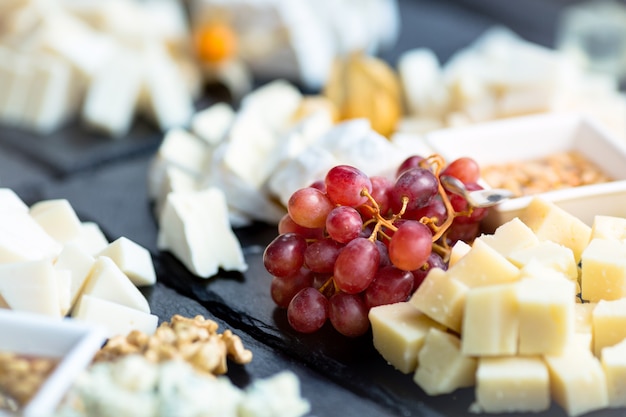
pixel 441 298
pixel 546 315
pixel 609 323
pixel 510 237
pixel 490 321
pixel 613 359
pixel 459 250
pixel 512 384
pixel 483 265
pixel 577 381
pixel 550 254
pixel 582 317
pixel 550 222
pixel 608 227
pixel 442 367
pixel 603 273
pixel 398 332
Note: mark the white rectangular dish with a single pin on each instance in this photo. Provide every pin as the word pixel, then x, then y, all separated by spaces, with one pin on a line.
pixel 72 342
pixel 536 136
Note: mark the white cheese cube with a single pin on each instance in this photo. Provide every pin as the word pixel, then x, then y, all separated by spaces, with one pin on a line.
pixel 133 259
pixel 22 239
pixel 442 298
pixel 603 271
pixel 108 282
pixel 490 321
pixel 30 286
pixel 117 319
pixel 483 265
pixel 613 360
pixel 512 384
pixel 443 368
pixel 549 254
pixel 174 179
pixel 422 81
pixel 200 238
pixel 10 201
pixel 58 219
pixel 583 313
pixel 510 237
pixel 20 80
pixel 546 315
pixel 609 324
pixel 186 151
pixel 64 284
pixel 91 238
pixel 79 262
pixel 608 227
pixel 113 94
pixel 398 332
pixel 577 381
pixel 212 124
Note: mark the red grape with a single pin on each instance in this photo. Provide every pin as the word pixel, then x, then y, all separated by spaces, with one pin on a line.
pixel 309 207
pixel 434 261
pixel 390 285
pixel 283 289
pixel 287 225
pixel 464 168
pixel 460 204
pixel 356 265
pixel 348 314
pixel 320 256
pixel 284 256
pixel 344 184
pixel 344 224
pixel 410 245
pixel 434 209
pixel 410 162
pixel 381 187
pixel 308 310
pixel 418 184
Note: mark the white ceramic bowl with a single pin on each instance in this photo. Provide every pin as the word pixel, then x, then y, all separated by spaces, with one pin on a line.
pixel 531 137
pixel 73 343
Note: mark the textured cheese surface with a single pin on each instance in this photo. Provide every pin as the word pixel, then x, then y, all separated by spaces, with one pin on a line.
pixel 608 227
pixel 550 254
pixel 442 367
pixel 613 360
pixel 398 332
pixel 583 317
pixel 603 272
pixel 609 323
pixel 511 236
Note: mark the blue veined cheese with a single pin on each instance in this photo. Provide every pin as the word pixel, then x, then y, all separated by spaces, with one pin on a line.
pixel 275 396
pixel 58 218
pixel 133 259
pixel 30 286
pixel 107 281
pixel 195 227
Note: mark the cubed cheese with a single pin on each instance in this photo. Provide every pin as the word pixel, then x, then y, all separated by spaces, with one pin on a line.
pixel 613 359
pixel 546 315
pixel 608 227
pixel 185 150
pixel 511 236
pixel 550 222
pixel 583 317
pixel 23 239
pixel 609 323
pixel 398 332
pixel 79 262
pixel 58 219
pixel 603 271
pixel 550 254
pixel 441 298
pixel 10 201
pixel 442 367
pixel 460 249
pixel 64 284
pixel 483 265
pixel 512 384
pixel 133 259
pixel 490 321
pixel 116 318
pixel 31 286
pixel 212 124
pixel 91 238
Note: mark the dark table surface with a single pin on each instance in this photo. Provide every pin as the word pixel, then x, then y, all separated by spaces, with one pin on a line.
pixel 105 181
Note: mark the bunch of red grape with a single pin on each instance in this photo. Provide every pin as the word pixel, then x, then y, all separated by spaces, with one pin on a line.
pixel 352 242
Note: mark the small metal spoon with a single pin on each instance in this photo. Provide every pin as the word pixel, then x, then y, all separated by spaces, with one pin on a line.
pixel 478 198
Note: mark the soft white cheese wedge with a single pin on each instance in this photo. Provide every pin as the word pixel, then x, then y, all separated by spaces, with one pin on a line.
pixel 174 179
pixel 183 149
pixel 79 262
pixel 31 286
pixel 22 239
pixel 194 226
pixel 113 94
pixel 212 124
pixel 117 319
pixel 133 259
pixel 58 218
pixel 107 281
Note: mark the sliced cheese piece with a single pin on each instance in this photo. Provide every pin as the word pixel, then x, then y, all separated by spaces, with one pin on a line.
pixel 548 254
pixel 212 124
pixel 23 239
pixel 117 319
pixel 64 284
pixel 483 265
pixel 91 238
pixel 546 314
pixel 490 321
pixel 510 237
pixel 58 219
pixel 577 381
pixel 398 332
pixel 608 227
pixel 201 238
pixel 550 222
pixel 422 80
pixel 31 286
pixel 174 179
pixel 133 259
pixel 108 282
pixel 10 201
pixel 511 384
pixel 603 271
pixel 79 262
pixel 609 324
pixel 185 150
pixel 443 368
pixel 613 360
pixel 442 298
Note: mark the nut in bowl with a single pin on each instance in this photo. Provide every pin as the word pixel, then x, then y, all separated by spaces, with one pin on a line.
pixel 569 159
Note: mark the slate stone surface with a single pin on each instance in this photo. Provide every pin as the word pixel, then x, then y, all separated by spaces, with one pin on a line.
pixel 105 181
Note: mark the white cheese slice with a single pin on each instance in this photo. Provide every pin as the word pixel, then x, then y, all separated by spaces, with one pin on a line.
pixel 79 262
pixel 107 281
pixel 58 218
pixel 117 319
pixel 422 80
pixel 113 94
pixel 194 226
pixel 31 286
pixel 64 283
pixel 212 124
pixel 10 201
pixel 22 239
pixel 91 238
pixel 133 259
